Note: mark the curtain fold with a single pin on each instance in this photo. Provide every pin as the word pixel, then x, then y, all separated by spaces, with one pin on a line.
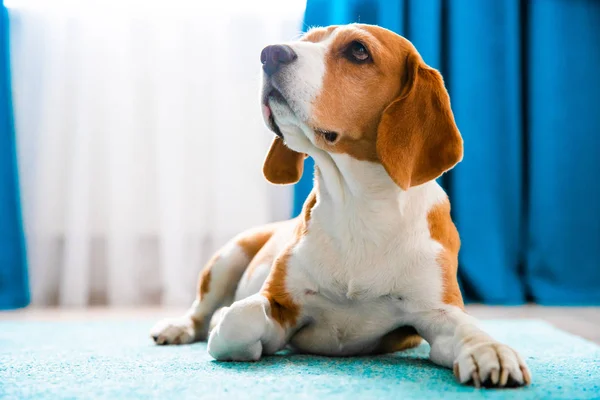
pixel 14 291
pixel 564 140
pixel 484 81
pixel 523 82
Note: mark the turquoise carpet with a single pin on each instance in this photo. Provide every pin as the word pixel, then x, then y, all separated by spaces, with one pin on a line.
pixel 115 360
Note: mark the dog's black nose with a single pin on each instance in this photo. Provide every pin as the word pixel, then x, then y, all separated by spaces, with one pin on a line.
pixel 272 57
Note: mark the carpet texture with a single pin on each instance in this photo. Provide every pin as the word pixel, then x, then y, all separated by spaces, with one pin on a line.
pixel 115 360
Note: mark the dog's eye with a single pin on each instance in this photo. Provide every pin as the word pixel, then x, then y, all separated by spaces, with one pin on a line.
pixel 329 136
pixel 357 52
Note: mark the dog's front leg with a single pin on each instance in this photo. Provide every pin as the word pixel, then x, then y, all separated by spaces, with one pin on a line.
pixel 246 331
pixel 458 343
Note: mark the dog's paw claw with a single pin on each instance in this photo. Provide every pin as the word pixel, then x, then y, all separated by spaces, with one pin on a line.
pixel 491 365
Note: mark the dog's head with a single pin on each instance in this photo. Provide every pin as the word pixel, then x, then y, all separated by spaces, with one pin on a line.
pixel 362 91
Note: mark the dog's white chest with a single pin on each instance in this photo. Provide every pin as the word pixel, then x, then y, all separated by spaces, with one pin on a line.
pixel 364 260
pixel 350 316
pixel 357 276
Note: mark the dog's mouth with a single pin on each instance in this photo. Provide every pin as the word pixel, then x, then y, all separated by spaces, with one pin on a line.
pixel 272 95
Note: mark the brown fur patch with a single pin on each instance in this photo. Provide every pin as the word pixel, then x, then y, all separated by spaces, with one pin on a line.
pixel 283 165
pixel 403 338
pixel 204 278
pixel 253 240
pixel 283 308
pixel 444 232
pixel 277 241
pixel 417 138
pixel 266 255
pixel 309 204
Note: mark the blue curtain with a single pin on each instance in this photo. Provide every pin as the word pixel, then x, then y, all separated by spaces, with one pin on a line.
pixel 524 81
pixel 14 291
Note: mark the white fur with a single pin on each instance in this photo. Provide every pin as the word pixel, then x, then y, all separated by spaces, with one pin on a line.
pixel 367 265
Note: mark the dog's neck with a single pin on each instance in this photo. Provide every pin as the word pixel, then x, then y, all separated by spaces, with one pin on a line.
pixel 357 202
pixel 363 190
pixel 344 179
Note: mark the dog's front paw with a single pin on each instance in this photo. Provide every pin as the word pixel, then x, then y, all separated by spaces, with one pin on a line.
pixel 222 348
pixel 182 330
pixel 491 364
pixel 238 335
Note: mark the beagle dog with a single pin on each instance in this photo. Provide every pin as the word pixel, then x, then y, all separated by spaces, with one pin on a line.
pixel 370 264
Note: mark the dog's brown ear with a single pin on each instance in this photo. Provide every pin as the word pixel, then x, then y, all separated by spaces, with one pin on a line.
pixel 417 138
pixel 283 165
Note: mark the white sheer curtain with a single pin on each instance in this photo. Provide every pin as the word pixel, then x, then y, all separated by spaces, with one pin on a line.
pixel 140 141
